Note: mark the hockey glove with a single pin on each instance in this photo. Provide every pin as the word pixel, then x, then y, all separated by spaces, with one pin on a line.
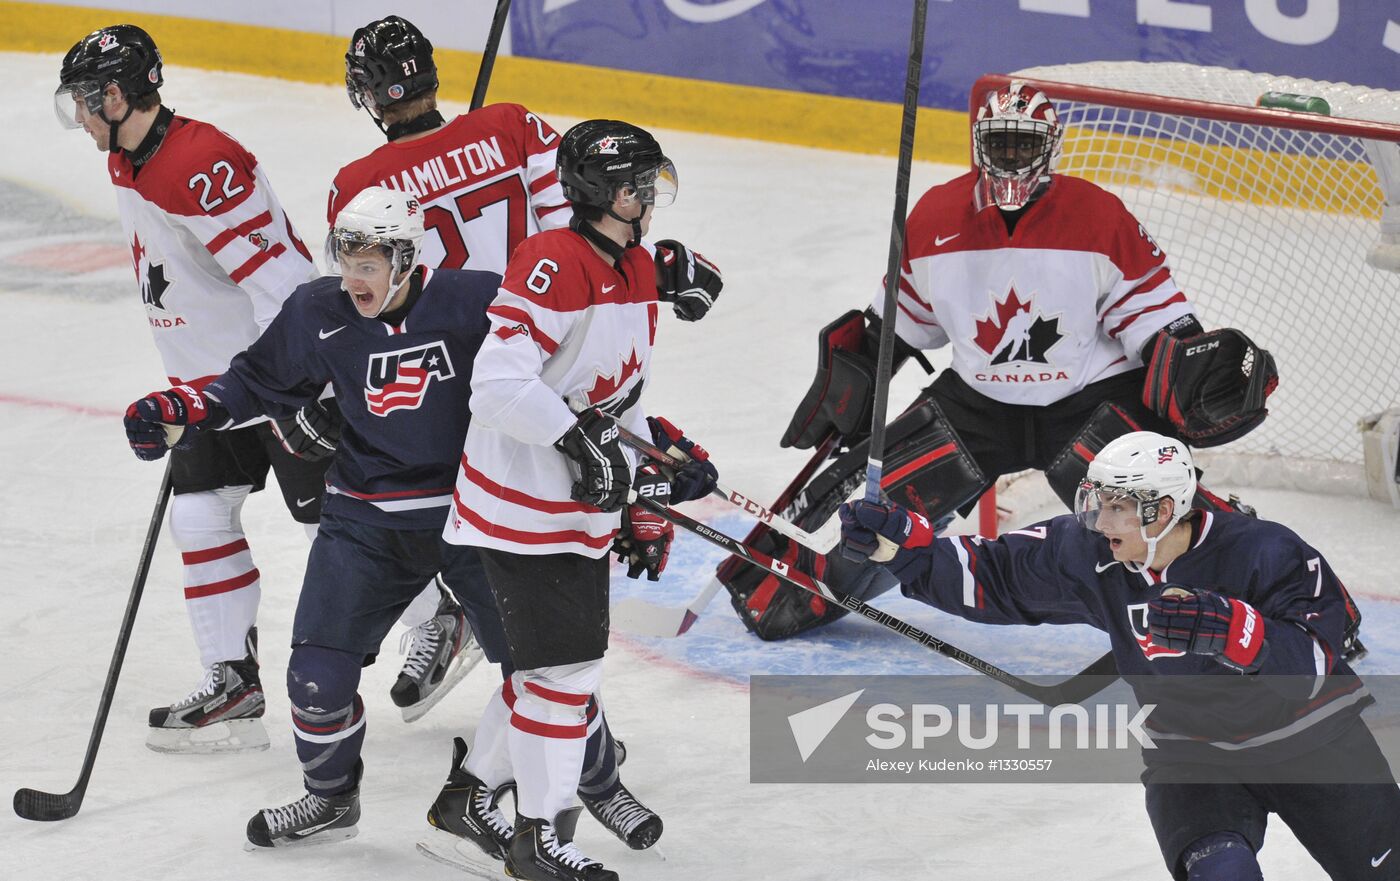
pixel 686 279
pixel 1203 622
pixel 876 531
pixel 697 478
pixel 313 432
pixel 146 421
pixel 604 471
pixel 644 542
pixel 1211 386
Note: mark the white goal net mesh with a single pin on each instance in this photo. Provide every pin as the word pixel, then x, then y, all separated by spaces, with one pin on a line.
pixel 1266 228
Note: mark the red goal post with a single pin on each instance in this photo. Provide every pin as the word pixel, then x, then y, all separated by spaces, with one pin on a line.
pixel 1284 224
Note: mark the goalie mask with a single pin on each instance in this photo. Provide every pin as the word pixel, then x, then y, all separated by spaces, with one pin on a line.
pixel 381 221
pixel 1127 483
pixel 1015 140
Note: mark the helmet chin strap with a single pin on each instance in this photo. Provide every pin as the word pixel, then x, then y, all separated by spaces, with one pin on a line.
pixel 635 223
pixel 1152 542
pixel 113 126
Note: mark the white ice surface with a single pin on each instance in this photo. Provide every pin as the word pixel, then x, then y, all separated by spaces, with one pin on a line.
pixel 801 235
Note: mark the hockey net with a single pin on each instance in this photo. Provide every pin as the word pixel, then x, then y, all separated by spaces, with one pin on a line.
pixel 1267 218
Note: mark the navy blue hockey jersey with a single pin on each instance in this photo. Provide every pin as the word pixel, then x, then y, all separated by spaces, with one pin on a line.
pixel 1058 572
pixel 404 391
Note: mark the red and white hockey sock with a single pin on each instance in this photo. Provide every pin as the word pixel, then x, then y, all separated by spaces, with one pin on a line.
pixel 489 757
pixel 548 733
pixel 222 586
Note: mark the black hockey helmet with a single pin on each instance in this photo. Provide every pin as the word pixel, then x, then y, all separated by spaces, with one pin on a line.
pixel 389 61
pixel 599 158
pixel 122 54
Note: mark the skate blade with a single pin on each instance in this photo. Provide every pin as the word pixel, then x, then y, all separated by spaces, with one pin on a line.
pixel 325 836
pixel 456 672
pixel 236 735
pixel 459 853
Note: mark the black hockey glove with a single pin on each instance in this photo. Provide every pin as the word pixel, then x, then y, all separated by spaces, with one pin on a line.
pixel 686 279
pixel 644 542
pixel 1204 622
pixel 313 432
pixel 1212 386
pixel 604 472
pixel 841 395
pixel 166 420
pixel 697 478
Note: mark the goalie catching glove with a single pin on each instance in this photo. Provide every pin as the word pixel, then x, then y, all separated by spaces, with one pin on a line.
pixel 844 389
pixel 312 433
pixel 1211 386
pixel 686 279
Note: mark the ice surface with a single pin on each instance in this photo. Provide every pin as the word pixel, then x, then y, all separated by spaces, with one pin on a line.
pixel 801 236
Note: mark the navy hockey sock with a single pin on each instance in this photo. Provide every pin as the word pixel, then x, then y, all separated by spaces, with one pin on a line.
pixel 1221 856
pixel 328 716
pixel 599 778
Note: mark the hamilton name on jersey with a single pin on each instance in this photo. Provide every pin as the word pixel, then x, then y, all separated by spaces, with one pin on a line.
pixel 444 171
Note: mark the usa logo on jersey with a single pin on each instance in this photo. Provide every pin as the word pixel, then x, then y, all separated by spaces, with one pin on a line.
pixel 1137 620
pixel 399 380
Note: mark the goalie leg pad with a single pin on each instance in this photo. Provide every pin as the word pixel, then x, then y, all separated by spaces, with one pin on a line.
pixel 927 469
pixel 1108 422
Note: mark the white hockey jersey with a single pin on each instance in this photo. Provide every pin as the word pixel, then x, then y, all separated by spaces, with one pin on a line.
pixel 486 181
pixel 568 329
pixel 214 253
pixel 1067 299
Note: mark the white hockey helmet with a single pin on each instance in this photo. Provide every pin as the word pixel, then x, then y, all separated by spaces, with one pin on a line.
pixel 1143 468
pixel 379 217
pixel 1015 140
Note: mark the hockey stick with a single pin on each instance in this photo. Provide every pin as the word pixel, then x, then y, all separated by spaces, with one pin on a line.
pixel 885 359
pixel 31 804
pixel 488 56
pixel 821 541
pixel 636 615
pixel 1071 690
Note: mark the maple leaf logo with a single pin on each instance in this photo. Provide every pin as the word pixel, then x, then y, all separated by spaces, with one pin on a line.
pixel 606 387
pixel 1011 333
pixel 136 252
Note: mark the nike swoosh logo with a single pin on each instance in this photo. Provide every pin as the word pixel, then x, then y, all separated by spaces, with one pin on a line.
pixel 1103 567
pixel 607 288
pixel 303 504
pixel 327 334
pixel 940 241
pixel 1376 861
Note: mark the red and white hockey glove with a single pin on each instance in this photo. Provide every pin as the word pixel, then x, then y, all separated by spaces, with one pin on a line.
pixel 1204 622
pixel 146 421
pixel 877 530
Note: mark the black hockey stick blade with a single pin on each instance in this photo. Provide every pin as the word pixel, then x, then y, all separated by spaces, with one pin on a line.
pixel 31 804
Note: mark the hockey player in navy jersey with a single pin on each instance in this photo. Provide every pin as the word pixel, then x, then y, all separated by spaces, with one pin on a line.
pixel 1196 594
pixel 1066 327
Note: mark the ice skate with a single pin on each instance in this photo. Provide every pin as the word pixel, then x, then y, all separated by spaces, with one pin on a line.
pixel 638 826
pixel 440 652
pixel 543 851
pixel 223 714
pixel 311 819
pixel 470 832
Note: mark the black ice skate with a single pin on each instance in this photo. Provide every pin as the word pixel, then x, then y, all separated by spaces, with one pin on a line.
pixel 542 851
pixel 223 714
pixel 440 651
pixel 470 832
pixel 638 826
pixel 311 819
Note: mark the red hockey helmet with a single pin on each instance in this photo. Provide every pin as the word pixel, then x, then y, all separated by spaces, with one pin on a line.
pixel 1015 140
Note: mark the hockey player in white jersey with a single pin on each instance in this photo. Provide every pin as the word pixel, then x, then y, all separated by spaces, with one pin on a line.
pixel 1067 330
pixel 486 180
pixel 215 256
pixel 544 481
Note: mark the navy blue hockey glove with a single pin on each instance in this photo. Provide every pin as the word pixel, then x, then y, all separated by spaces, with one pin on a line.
pixel 605 474
pixel 877 530
pixel 1203 622
pixel 686 279
pixel 313 432
pixel 697 477
pixel 644 542
pixel 151 422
